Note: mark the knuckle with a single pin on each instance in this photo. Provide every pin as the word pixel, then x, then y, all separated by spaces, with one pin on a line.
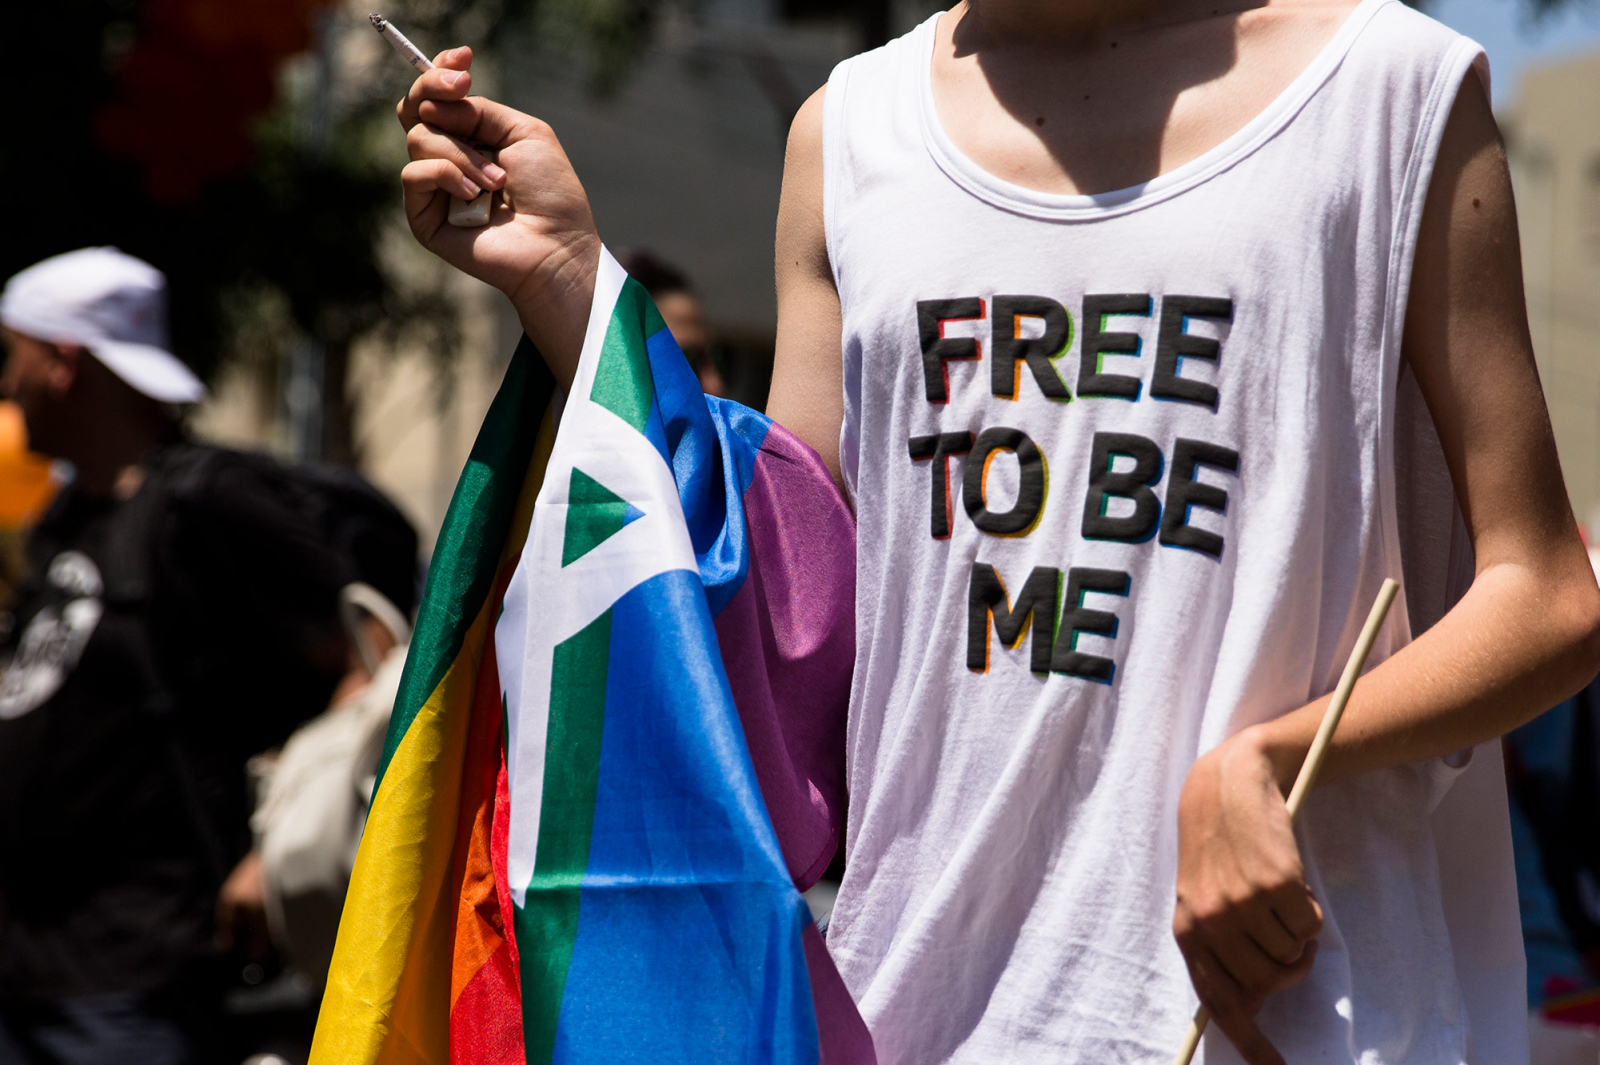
pixel 1305 923
pixel 1288 955
pixel 1255 988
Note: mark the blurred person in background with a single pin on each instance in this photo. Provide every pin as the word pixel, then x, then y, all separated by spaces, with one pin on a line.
pixel 179 615
pixel 1553 773
pixel 681 310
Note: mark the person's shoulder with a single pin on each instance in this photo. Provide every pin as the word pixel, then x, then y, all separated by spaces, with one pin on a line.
pixel 805 132
pixel 1400 32
pixel 887 61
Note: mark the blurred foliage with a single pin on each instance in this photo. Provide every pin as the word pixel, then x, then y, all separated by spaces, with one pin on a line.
pixel 169 129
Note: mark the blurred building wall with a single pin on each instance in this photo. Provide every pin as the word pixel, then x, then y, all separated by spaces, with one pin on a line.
pixel 1553 136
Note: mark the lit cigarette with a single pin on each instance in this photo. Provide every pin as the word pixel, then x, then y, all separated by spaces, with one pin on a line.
pixel 465 213
pixel 400 43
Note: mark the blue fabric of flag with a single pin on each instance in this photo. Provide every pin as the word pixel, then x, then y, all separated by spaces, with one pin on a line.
pixel 711 445
pixel 689 928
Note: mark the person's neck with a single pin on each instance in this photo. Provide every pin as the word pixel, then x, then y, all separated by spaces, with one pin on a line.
pixel 109 460
pixel 1056 23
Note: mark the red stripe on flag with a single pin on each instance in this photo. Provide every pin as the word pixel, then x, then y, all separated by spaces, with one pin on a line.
pixel 485 1000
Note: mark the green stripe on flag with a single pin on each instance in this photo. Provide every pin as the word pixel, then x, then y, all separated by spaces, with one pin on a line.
pixel 622 381
pixel 547 923
pixel 467 555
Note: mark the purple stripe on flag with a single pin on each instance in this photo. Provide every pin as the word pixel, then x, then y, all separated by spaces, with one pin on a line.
pixel 788 642
pixel 842 1036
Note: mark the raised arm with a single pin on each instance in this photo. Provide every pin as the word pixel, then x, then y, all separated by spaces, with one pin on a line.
pixel 540 247
pixel 1525 635
pixel 807 395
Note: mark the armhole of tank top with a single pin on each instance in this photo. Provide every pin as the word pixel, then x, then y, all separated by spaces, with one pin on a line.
pixel 835 167
pixel 833 158
pixel 1460 59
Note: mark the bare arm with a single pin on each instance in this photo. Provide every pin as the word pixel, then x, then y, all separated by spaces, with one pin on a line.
pixel 1527 633
pixel 1525 636
pixel 807 395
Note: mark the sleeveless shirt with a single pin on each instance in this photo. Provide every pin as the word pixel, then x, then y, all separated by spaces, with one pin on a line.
pixel 1125 468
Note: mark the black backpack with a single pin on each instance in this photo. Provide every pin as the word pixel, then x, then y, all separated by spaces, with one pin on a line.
pixel 374 541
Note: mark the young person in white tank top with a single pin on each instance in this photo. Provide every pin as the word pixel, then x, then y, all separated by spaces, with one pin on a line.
pixel 1146 339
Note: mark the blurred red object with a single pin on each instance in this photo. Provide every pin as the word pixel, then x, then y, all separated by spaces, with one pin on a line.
pixel 1568 1001
pixel 193 82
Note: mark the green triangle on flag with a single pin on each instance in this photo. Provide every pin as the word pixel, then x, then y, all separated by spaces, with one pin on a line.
pixel 594 515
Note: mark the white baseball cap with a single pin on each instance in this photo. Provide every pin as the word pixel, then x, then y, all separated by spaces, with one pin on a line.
pixel 109 303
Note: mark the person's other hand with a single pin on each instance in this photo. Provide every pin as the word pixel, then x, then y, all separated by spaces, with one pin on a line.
pixel 1245 918
pixel 540 247
pixel 242 911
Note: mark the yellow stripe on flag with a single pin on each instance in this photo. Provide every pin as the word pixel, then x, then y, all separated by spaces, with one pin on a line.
pixel 388 995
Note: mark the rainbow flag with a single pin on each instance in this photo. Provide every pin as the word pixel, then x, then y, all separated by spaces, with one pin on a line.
pixel 617 751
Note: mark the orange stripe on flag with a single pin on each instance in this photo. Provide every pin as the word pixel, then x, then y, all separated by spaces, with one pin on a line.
pixel 485 1001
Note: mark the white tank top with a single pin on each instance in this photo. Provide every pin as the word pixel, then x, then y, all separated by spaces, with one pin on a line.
pixel 1125 472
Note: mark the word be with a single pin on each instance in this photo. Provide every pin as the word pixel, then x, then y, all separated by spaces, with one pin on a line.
pixel 1105 483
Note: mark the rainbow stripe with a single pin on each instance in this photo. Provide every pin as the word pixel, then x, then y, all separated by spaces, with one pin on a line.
pixel 617 749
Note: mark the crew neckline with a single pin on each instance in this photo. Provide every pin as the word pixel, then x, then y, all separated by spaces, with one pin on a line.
pixel 961 169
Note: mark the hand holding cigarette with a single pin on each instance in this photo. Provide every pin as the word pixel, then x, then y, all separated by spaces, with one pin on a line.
pixel 472 211
pixel 539 245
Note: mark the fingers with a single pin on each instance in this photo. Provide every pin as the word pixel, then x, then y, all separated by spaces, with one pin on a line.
pixel 483 121
pixel 1230 1009
pixel 1256 973
pixel 1282 921
pixel 1297 909
pixel 425 142
pixel 1225 1001
pixel 1271 935
pixel 1241 952
pixel 449 80
pixel 1260 950
pixel 427 185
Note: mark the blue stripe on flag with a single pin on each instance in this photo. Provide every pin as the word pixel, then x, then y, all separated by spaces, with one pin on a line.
pixel 689 930
pixel 698 432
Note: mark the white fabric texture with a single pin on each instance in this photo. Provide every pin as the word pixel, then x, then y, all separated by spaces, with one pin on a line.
pixel 1011 847
pixel 111 304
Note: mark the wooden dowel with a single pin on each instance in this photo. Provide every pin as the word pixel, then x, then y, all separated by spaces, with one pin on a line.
pixel 1313 763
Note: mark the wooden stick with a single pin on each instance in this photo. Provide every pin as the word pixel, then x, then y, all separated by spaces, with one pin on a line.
pixel 1313 763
